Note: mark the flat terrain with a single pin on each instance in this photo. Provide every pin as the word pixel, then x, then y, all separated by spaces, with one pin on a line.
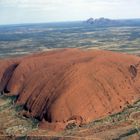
pixel 23 39
pixel 11 122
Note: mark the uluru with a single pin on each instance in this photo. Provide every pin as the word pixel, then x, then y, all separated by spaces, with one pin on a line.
pixel 71 85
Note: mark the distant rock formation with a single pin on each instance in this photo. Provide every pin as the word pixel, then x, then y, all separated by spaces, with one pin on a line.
pixel 90 20
pixel 112 22
pixel 100 21
pixel 71 86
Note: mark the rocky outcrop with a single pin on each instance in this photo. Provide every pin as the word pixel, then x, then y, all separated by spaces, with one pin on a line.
pixel 102 21
pixel 71 85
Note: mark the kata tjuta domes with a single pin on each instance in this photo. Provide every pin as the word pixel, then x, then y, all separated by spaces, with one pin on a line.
pixel 71 84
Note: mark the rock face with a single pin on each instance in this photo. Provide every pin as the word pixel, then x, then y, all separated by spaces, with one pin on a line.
pixel 71 85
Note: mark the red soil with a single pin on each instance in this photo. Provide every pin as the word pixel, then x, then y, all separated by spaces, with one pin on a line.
pixel 71 85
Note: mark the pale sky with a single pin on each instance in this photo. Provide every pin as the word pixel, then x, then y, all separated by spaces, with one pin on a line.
pixel 36 11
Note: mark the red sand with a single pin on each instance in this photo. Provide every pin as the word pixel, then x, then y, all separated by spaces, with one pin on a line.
pixel 71 85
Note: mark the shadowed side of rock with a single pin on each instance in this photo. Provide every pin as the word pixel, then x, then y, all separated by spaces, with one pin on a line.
pixel 6 77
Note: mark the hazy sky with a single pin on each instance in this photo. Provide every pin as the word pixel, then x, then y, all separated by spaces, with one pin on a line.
pixel 29 11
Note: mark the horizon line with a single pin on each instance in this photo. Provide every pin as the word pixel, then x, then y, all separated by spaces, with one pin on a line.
pixel 67 21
